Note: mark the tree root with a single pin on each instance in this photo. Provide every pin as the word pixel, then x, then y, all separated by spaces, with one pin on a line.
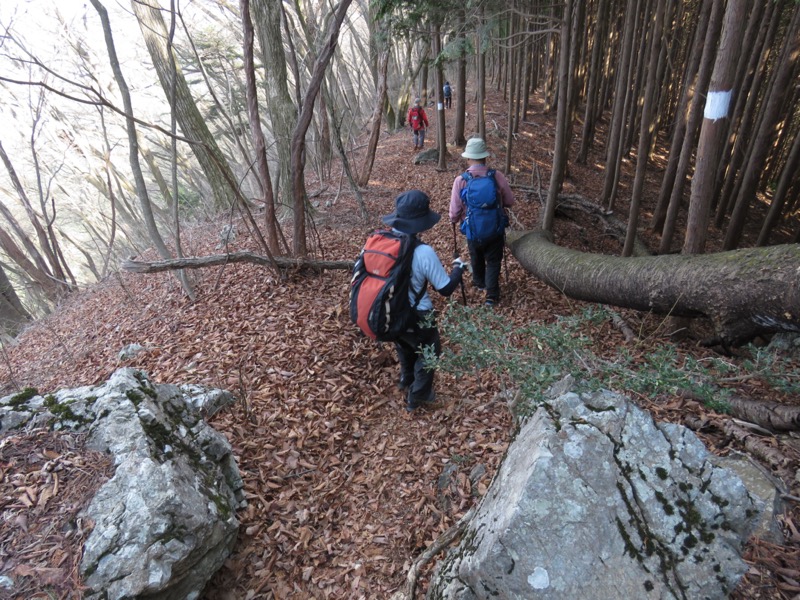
pixel 761 448
pixel 439 544
pixel 773 416
pixel 769 416
pixel 621 325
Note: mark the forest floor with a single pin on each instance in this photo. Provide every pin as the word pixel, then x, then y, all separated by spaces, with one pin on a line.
pixel 344 487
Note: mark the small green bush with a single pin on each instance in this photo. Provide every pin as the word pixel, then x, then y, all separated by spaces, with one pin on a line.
pixel 533 357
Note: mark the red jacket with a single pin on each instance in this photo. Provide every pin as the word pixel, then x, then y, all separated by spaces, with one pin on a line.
pixel 417 118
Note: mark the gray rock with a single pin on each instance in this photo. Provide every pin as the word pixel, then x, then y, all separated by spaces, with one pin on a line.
pixel 760 484
pixel 596 500
pixel 431 155
pixel 130 351
pixel 165 522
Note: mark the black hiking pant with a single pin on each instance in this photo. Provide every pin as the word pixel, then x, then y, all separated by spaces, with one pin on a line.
pixel 413 371
pixel 487 259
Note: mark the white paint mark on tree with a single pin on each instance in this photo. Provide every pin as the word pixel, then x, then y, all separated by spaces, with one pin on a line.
pixel 717 105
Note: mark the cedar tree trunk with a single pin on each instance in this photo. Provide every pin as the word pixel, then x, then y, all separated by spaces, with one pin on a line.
pixel 744 293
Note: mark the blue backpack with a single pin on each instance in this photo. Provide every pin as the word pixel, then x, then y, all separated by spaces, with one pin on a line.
pixel 485 218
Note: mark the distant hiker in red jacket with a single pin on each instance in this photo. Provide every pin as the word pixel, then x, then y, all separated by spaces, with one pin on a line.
pixel 419 122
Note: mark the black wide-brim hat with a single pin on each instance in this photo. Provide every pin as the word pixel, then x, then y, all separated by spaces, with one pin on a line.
pixel 412 213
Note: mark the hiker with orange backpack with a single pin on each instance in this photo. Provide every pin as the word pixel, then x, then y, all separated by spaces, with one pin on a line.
pixel 396 262
pixel 419 123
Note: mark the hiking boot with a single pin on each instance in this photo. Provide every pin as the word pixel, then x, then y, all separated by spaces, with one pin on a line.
pixel 405 382
pixel 412 405
pixel 490 303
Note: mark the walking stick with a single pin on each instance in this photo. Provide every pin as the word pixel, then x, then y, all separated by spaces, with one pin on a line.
pixel 455 255
pixel 505 260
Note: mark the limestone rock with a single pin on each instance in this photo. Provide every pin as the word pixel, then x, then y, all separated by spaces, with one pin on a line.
pixel 131 351
pixel 431 155
pixel 165 522
pixel 596 500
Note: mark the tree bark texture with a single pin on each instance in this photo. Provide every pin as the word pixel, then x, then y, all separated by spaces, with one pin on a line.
pixel 691 131
pixel 715 125
pixel 561 149
pixel 12 314
pixel 133 142
pixel 744 293
pixel 441 126
pixel 279 104
pixel 381 92
pixel 766 133
pixel 193 125
pixel 616 129
pixel 790 171
pixel 679 126
pixel 259 142
pixel 646 127
pixel 298 147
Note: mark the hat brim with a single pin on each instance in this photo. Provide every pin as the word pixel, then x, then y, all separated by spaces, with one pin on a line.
pixel 417 225
pixel 475 156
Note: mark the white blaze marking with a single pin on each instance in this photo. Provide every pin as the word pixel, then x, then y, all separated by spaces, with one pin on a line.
pixel 717 104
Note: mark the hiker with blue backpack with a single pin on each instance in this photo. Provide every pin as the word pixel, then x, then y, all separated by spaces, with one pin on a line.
pixel 479 198
pixel 389 292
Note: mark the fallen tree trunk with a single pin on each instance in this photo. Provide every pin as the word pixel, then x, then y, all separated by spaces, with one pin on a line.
pixel 744 293
pixel 135 266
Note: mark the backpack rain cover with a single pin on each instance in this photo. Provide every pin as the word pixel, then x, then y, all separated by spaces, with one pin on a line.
pixel 379 301
pixel 485 218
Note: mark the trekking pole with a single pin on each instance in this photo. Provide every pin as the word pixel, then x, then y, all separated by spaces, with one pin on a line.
pixel 505 260
pixel 455 255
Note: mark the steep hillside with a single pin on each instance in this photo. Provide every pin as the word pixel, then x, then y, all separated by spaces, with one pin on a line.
pixel 345 488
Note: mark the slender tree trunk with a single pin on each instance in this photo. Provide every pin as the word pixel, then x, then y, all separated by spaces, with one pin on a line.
pixel 617 121
pixel 717 111
pixel 648 117
pixel 693 124
pixel 681 117
pixel 280 107
pixel 481 59
pixel 192 124
pixel 380 101
pixel 13 315
pixel 745 117
pixel 766 131
pixel 182 275
pixel 561 149
pixel 304 121
pixel 133 143
pixel 441 130
pixel 748 80
pixel 461 84
pixel 259 143
pixel 511 89
pixel 592 94
pixel 790 170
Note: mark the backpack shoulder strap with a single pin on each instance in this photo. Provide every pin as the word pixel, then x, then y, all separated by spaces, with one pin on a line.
pixel 466 176
pixel 414 243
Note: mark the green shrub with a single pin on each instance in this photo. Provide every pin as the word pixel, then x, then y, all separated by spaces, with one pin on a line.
pixel 533 357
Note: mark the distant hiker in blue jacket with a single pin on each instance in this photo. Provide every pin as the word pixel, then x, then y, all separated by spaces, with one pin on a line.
pixel 479 199
pixel 448 95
